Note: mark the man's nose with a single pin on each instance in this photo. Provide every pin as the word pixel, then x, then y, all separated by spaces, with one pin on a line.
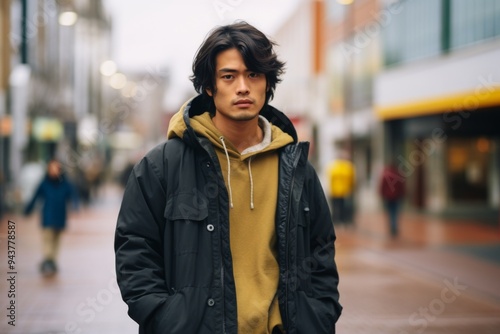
pixel 242 87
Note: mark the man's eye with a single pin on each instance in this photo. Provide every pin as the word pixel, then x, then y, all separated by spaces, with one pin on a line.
pixel 227 76
pixel 254 75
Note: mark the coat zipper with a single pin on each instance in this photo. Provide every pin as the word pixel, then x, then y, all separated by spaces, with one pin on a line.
pixel 223 298
pixel 295 163
pixel 221 269
pixel 222 280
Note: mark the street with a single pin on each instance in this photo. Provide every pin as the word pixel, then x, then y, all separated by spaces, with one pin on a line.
pixel 83 297
pixel 437 277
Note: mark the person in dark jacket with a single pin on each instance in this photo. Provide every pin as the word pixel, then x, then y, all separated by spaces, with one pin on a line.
pixel 56 191
pixel 392 191
pixel 224 227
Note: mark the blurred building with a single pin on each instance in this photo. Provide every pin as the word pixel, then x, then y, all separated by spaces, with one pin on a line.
pixel 439 99
pixel 415 81
pixel 4 76
pixel 50 84
pixel 137 116
pixel 327 92
pixel 412 81
pixel 353 60
pixel 5 52
pixel 301 93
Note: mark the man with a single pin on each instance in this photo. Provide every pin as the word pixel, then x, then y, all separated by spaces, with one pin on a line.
pixel 55 190
pixel 225 227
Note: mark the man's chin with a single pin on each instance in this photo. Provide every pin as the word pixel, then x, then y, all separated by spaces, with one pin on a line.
pixel 245 117
pixel 243 114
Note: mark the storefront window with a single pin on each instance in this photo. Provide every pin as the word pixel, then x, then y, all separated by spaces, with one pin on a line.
pixel 473 21
pixel 414 32
pixel 426 28
pixel 468 161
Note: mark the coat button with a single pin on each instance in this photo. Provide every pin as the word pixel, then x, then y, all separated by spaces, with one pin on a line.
pixel 211 302
pixel 208 164
pixel 210 227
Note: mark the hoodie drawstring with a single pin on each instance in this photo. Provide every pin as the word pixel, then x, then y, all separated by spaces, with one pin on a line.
pixel 251 182
pixel 229 176
pixel 228 172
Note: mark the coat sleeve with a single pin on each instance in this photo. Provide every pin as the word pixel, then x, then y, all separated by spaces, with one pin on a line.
pixel 324 274
pixel 139 244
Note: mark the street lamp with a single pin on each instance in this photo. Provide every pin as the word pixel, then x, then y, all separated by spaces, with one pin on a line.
pixel 129 90
pixel 118 81
pixel 108 68
pixel 68 18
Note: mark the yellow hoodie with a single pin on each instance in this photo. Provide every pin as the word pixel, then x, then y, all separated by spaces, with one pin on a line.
pixel 251 179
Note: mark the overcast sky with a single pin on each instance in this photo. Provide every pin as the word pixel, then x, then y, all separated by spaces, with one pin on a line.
pixel 167 33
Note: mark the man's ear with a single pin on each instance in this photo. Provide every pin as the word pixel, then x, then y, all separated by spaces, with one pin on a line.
pixel 208 91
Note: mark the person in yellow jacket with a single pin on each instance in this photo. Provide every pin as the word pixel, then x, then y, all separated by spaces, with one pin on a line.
pixel 342 177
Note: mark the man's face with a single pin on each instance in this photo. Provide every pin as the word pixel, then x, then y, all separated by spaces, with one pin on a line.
pixel 241 93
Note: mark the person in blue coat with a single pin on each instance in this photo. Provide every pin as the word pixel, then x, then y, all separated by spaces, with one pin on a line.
pixel 56 191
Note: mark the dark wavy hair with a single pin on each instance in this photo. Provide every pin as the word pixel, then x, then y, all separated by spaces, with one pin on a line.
pixel 255 48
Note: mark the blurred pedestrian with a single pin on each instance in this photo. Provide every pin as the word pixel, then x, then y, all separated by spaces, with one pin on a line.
pixel 342 178
pixel 55 190
pixel 392 191
pixel 82 186
pixel 94 174
pixel 218 222
pixel 89 177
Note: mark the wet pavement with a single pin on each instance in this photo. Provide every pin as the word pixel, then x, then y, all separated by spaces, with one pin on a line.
pixel 83 297
pixel 437 277
pixel 428 280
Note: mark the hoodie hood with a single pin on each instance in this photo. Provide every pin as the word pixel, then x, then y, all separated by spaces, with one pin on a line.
pixel 180 124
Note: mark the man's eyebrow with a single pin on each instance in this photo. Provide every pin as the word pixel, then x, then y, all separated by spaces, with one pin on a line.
pixel 232 70
pixel 225 70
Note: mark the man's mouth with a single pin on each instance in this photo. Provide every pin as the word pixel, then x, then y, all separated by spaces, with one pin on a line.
pixel 244 103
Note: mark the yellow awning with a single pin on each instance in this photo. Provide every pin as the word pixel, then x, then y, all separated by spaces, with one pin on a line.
pixel 468 101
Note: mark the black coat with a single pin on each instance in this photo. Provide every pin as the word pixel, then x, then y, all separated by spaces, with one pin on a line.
pixel 173 259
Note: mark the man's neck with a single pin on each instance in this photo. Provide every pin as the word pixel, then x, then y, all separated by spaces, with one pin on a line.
pixel 242 134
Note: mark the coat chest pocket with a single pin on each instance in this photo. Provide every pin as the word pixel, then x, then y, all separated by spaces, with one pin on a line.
pixel 185 207
pixel 305 262
pixel 185 217
pixel 303 232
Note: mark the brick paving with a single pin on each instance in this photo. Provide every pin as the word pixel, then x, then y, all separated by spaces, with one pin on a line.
pixel 83 297
pixel 418 283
